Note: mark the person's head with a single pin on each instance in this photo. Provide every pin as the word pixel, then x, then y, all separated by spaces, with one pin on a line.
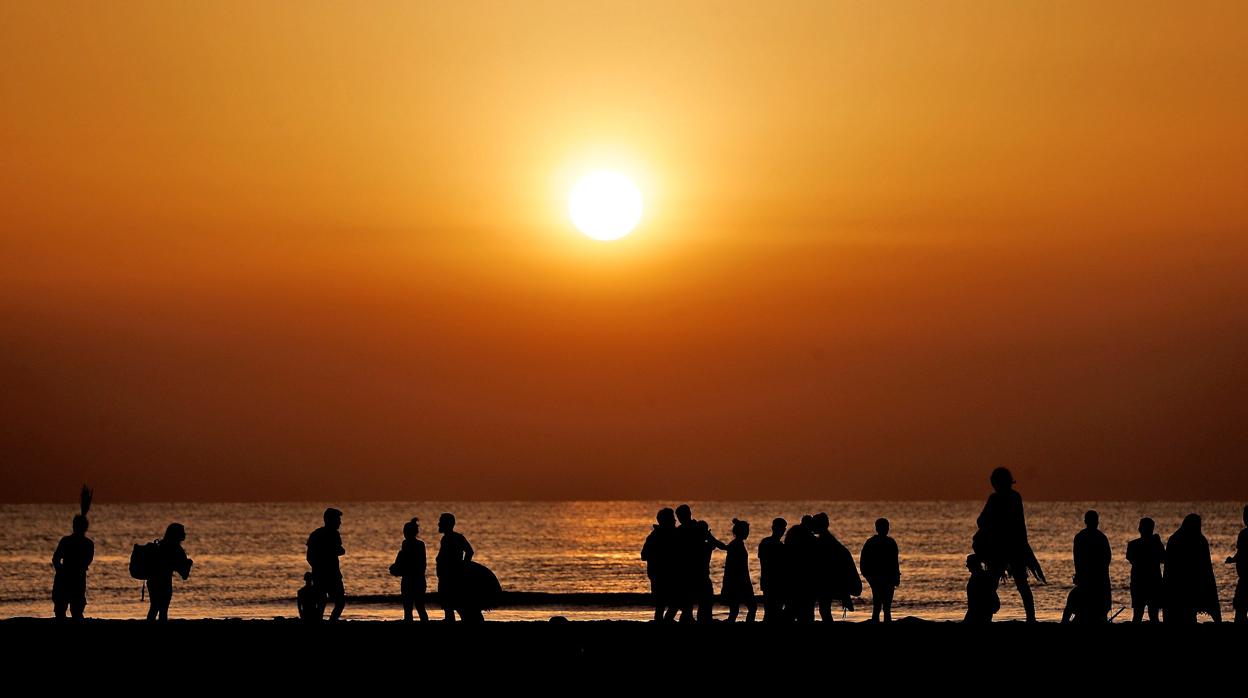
pixel 333 518
pixel 446 523
pixel 1191 523
pixel 740 529
pixel 778 526
pixel 881 526
pixel 973 564
pixel 808 521
pixel 411 529
pixel 684 513
pixel 1147 526
pixel 702 526
pixel 175 533
pixel 1091 519
pixel 1001 479
pixel 820 521
pixel 80 524
pixel 666 517
pixel 307 577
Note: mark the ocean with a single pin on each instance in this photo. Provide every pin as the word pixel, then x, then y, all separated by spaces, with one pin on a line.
pixel 249 558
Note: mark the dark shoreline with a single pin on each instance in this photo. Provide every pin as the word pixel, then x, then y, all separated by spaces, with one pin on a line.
pixel 908 653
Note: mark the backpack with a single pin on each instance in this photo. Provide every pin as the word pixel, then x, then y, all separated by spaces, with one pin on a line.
pixel 143 560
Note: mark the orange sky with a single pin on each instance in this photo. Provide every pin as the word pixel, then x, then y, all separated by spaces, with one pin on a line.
pixel 265 250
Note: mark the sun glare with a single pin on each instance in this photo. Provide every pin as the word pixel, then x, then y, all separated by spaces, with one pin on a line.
pixel 605 205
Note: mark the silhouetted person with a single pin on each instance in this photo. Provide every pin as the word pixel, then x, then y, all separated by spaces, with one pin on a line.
pixel 773 574
pixel 1188 581
pixel 660 553
pixel 880 565
pixel 324 549
pixel 1146 554
pixel 1001 542
pixel 1092 554
pixel 836 572
pixel 71 559
pixel 801 556
pixel 982 602
pixel 309 601
pixel 704 589
pixel 169 558
pixel 1240 560
pixel 409 566
pixel 694 562
pixel 737 587
pixel 453 552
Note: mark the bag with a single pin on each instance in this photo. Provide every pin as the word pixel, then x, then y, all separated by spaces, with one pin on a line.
pixel 143 560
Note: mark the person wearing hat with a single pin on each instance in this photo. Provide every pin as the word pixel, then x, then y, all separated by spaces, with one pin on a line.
pixel 324 549
pixel 1001 542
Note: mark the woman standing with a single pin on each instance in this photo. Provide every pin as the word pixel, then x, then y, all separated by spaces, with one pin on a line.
pixel 1001 541
pixel 169 558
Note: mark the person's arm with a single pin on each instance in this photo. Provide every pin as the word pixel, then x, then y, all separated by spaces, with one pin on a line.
pixel 710 538
pixel 90 555
pixel 57 555
pixel 467 550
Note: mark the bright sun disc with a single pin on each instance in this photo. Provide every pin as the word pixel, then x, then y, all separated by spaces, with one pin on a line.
pixel 605 205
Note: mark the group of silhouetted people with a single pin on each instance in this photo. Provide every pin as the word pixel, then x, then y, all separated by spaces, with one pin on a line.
pixel 803 567
pixel 1174 579
pixel 464 586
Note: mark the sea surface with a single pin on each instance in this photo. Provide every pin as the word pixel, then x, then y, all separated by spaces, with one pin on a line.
pixel 249 558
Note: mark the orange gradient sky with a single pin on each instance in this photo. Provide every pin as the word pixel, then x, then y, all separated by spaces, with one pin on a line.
pixel 270 250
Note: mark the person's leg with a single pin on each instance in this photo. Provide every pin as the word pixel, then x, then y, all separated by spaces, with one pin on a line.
pixel 734 608
pixel 340 602
pixel 419 603
pixel 1153 610
pixel 407 609
pixel 58 607
pixel 877 604
pixel 78 607
pixel 751 609
pixel 1137 614
pixel 825 610
pixel 887 603
pixel 1024 592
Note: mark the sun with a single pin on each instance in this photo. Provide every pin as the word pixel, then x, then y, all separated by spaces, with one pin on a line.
pixel 605 205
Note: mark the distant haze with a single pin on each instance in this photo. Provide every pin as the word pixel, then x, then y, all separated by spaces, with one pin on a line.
pixel 267 251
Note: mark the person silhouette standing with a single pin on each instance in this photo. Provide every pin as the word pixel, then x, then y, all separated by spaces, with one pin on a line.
pixel 836 574
pixel 694 556
pixel 324 549
pixel 169 558
pixel 71 559
pixel 659 554
pixel 1146 554
pixel 453 554
pixel 772 577
pixel 737 587
pixel 1188 582
pixel 1001 541
pixel 409 566
pixel 801 557
pixel 1092 556
pixel 880 565
pixel 1240 560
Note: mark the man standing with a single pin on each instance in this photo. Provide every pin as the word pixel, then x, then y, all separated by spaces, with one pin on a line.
pixel 1092 556
pixel 324 549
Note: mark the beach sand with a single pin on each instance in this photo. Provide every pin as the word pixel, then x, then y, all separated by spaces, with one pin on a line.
pixel 908 655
